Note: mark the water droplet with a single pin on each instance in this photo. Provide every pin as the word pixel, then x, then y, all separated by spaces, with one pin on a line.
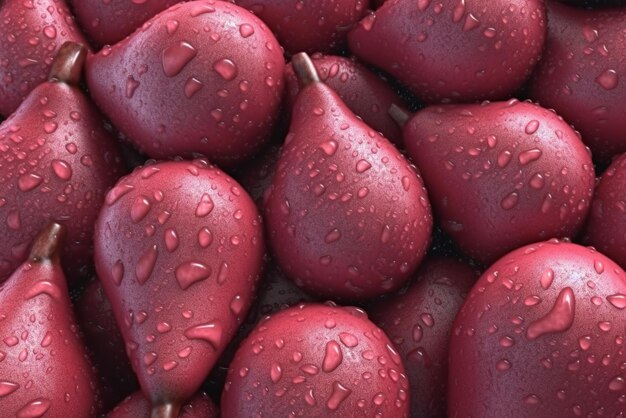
pixel 28 182
pixel 608 79
pixel 237 305
pixel 276 372
pixel 131 86
pixel 211 332
pixel 34 409
pixel 205 237
pixel 332 236
pixel 333 356
pixel 117 272
pixel 13 219
pixel 140 208
pixel 503 365
pixel 192 86
pixel 531 127
pixel 205 206
pixel 339 394
pixel 617 384
pixel 62 169
pixel 504 158
pixel 44 287
pixel 117 192
pixel 146 263
pixel 171 26
pixel 547 277
pixel 46 340
pixel 362 166
pixel 532 400
pixel 529 156
pixel 348 339
pixel 558 319
pixel 226 69
pixel 171 240
pixel 150 358
pixel 329 147
pixel 191 272
pixel 418 333
pixel 176 57
pixel 598 266
pixel 385 236
pixel 7 388
pixel 246 30
pixel 617 300
pixel 170 365
pixel 222 274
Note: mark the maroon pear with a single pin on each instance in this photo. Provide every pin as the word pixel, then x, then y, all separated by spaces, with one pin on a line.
pixel 44 368
pixel 501 175
pixel 316 360
pixel 366 94
pixel 202 77
pixel 348 216
pixel 105 344
pixel 454 50
pixel 606 226
pixel 32 33
pixel 541 334
pixel 108 22
pixel 137 406
pixel 308 26
pixel 418 320
pixel 179 248
pixel 583 74
pixel 56 163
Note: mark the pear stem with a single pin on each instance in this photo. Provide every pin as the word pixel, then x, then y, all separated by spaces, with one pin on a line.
pixel 48 244
pixel 67 66
pixel 165 410
pixel 399 115
pixel 304 69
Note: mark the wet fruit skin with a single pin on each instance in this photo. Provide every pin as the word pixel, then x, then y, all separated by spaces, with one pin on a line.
pixel 308 26
pixel 453 50
pixel 32 33
pixel 366 94
pixel 418 320
pixel 316 360
pixel 137 406
pixel 44 368
pixel 178 250
pixel 57 162
pixel 501 175
pixel 582 74
pixel 347 215
pixel 175 90
pixel 606 225
pixel 542 334
pixel 108 22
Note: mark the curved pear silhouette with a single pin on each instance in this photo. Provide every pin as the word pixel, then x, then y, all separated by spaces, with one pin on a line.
pixel 44 368
pixel 348 216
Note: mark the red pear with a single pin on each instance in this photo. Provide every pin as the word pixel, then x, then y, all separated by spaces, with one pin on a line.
pixel 606 227
pixel 202 77
pixel 366 94
pixel 56 163
pixel 32 33
pixel 583 74
pixel 309 26
pixel 316 360
pixel 501 175
pixel 348 216
pixel 178 250
pixel 541 334
pixel 418 320
pixel 454 50
pixel 105 343
pixel 137 406
pixel 44 368
pixel 108 22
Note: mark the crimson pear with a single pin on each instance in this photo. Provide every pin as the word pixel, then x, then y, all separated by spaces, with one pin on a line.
pixel 179 249
pixel 347 215
pixel 108 22
pixel 501 174
pixel 454 50
pixel 582 74
pixel 32 33
pixel 201 77
pixel 44 367
pixel 56 163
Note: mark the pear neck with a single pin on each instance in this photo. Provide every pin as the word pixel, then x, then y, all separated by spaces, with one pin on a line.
pixel 68 64
pixel 48 244
pixel 305 69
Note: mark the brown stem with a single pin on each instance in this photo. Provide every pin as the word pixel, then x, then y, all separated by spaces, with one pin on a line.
pixel 67 66
pixel 165 410
pixel 48 243
pixel 304 69
pixel 399 115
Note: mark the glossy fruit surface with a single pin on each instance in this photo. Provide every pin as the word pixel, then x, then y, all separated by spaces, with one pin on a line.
pixel 542 334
